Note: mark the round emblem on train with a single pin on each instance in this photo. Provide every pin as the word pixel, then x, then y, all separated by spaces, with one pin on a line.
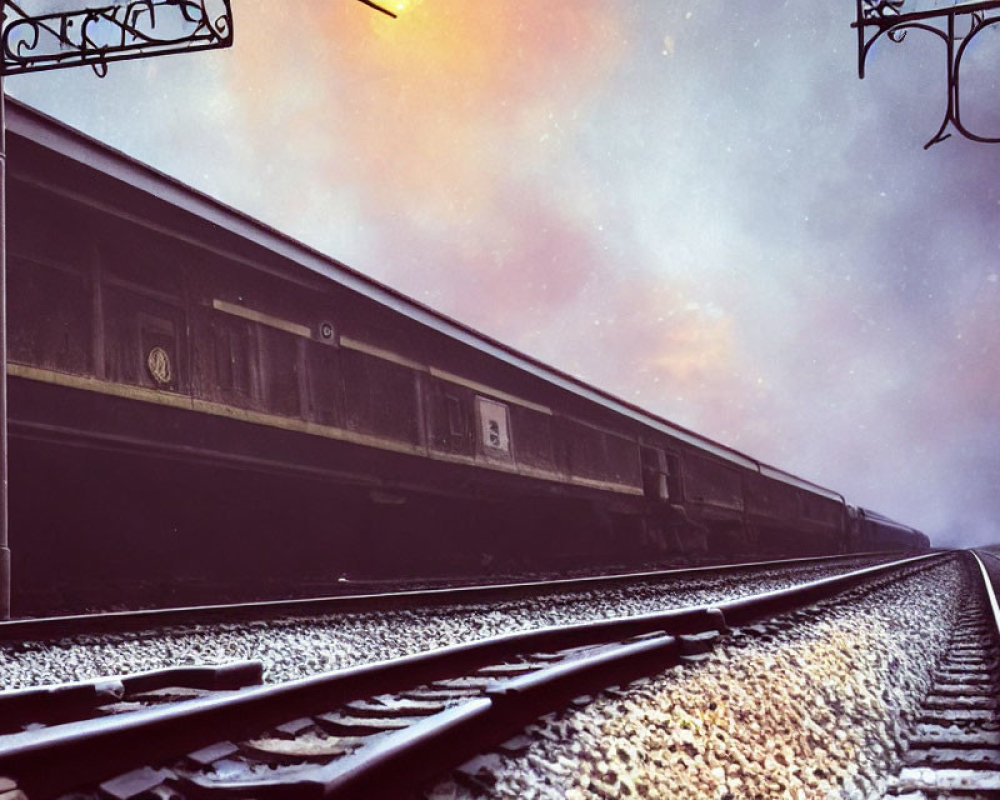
pixel 158 364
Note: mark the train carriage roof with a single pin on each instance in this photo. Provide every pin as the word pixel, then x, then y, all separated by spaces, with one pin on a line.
pixel 886 521
pixel 57 137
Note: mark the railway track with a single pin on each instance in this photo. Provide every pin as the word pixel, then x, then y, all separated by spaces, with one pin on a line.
pixel 378 730
pixel 53 627
pixel 954 748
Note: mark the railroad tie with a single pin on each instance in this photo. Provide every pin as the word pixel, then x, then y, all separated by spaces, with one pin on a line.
pixel 954 749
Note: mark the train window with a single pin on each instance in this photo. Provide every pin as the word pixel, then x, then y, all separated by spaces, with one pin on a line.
pixel 620 464
pixel 654 474
pixel 449 412
pixel 585 450
pixel 673 477
pixel 456 423
pixel 280 370
pixel 325 382
pixel 494 425
pixel 50 317
pixel 225 368
pixel 711 481
pixel 232 358
pixel 535 440
pixel 380 397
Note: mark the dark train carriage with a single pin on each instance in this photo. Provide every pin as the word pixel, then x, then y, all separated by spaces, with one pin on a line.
pixel 787 515
pixel 195 398
pixel 201 393
pixel 713 498
pixel 870 530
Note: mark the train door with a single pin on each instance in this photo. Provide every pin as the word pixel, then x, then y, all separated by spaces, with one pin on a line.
pixel 667 525
pixel 655 474
pixel 657 490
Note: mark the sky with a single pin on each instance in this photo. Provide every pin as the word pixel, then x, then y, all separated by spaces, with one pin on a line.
pixel 693 204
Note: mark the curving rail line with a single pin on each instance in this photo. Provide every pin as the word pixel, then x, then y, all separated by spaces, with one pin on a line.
pixel 954 746
pixel 377 730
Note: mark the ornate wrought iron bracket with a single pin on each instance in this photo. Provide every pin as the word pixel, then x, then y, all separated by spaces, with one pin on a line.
pixel 955 25
pixel 97 36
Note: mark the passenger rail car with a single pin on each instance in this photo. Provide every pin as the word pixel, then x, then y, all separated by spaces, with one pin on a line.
pixel 195 398
pixel 873 530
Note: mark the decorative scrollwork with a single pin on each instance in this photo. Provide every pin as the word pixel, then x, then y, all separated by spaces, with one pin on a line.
pixel 884 17
pixel 97 36
pixel 882 8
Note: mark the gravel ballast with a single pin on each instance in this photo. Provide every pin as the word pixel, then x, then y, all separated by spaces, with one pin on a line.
pixel 298 648
pixel 812 712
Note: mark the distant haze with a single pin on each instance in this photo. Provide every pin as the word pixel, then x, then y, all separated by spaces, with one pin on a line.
pixel 696 206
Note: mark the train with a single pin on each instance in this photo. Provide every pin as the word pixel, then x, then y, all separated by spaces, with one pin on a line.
pixel 197 400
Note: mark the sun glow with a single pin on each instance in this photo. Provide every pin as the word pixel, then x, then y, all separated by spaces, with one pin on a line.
pixel 458 82
pixel 400 7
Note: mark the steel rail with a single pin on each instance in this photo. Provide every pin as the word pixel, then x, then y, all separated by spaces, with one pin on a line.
pixel 64 702
pixel 953 746
pixel 94 750
pixel 121 621
pixel 456 733
pixel 990 591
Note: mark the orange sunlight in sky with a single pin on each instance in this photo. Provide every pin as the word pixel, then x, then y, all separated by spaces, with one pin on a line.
pixel 439 104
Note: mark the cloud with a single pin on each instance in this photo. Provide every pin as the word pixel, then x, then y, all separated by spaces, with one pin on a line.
pixel 430 114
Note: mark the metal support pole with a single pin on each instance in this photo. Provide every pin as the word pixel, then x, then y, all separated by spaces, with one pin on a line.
pixel 4 543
